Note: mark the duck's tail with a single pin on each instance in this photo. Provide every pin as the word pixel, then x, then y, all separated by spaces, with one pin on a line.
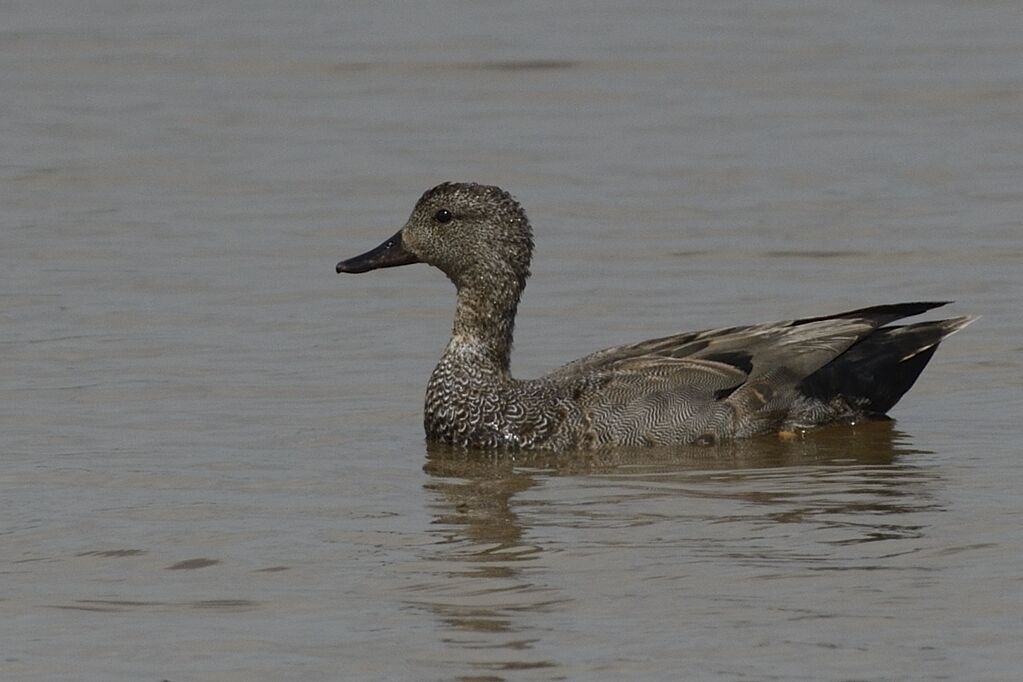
pixel 874 373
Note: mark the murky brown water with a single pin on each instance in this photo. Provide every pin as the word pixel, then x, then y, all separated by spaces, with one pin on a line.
pixel 212 460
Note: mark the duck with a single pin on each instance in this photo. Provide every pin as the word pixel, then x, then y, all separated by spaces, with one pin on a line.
pixel 695 388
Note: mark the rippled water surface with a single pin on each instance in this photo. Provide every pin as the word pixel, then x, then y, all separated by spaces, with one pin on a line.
pixel 212 464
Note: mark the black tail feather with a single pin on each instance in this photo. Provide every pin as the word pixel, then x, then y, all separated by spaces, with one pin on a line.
pixel 882 314
pixel 877 371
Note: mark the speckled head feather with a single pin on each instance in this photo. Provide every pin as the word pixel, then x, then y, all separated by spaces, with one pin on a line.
pixel 701 387
pixel 471 231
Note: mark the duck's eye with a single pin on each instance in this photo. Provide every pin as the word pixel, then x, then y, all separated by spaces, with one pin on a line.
pixel 443 216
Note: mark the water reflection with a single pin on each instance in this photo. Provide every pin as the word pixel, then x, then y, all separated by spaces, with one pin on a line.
pixel 477 587
pixel 807 504
pixel 868 443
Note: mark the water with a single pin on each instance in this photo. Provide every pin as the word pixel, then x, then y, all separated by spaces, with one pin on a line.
pixel 212 459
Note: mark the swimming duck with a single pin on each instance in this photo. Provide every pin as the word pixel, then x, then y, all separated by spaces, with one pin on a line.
pixel 700 387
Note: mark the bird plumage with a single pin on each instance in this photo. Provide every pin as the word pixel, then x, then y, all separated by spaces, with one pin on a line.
pixel 698 387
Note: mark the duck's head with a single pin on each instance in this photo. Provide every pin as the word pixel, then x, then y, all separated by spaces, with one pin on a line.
pixel 474 233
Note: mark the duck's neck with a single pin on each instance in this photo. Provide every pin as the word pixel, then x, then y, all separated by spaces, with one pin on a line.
pixel 485 321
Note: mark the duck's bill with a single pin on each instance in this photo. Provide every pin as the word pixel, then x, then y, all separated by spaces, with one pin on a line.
pixel 390 254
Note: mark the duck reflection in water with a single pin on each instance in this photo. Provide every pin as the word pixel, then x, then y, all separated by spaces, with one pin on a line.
pixel 834 491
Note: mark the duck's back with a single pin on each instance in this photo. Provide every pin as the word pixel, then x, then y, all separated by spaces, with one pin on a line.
pixel 719 384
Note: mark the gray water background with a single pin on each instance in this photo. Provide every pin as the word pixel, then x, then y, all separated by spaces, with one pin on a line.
pixel 212 464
